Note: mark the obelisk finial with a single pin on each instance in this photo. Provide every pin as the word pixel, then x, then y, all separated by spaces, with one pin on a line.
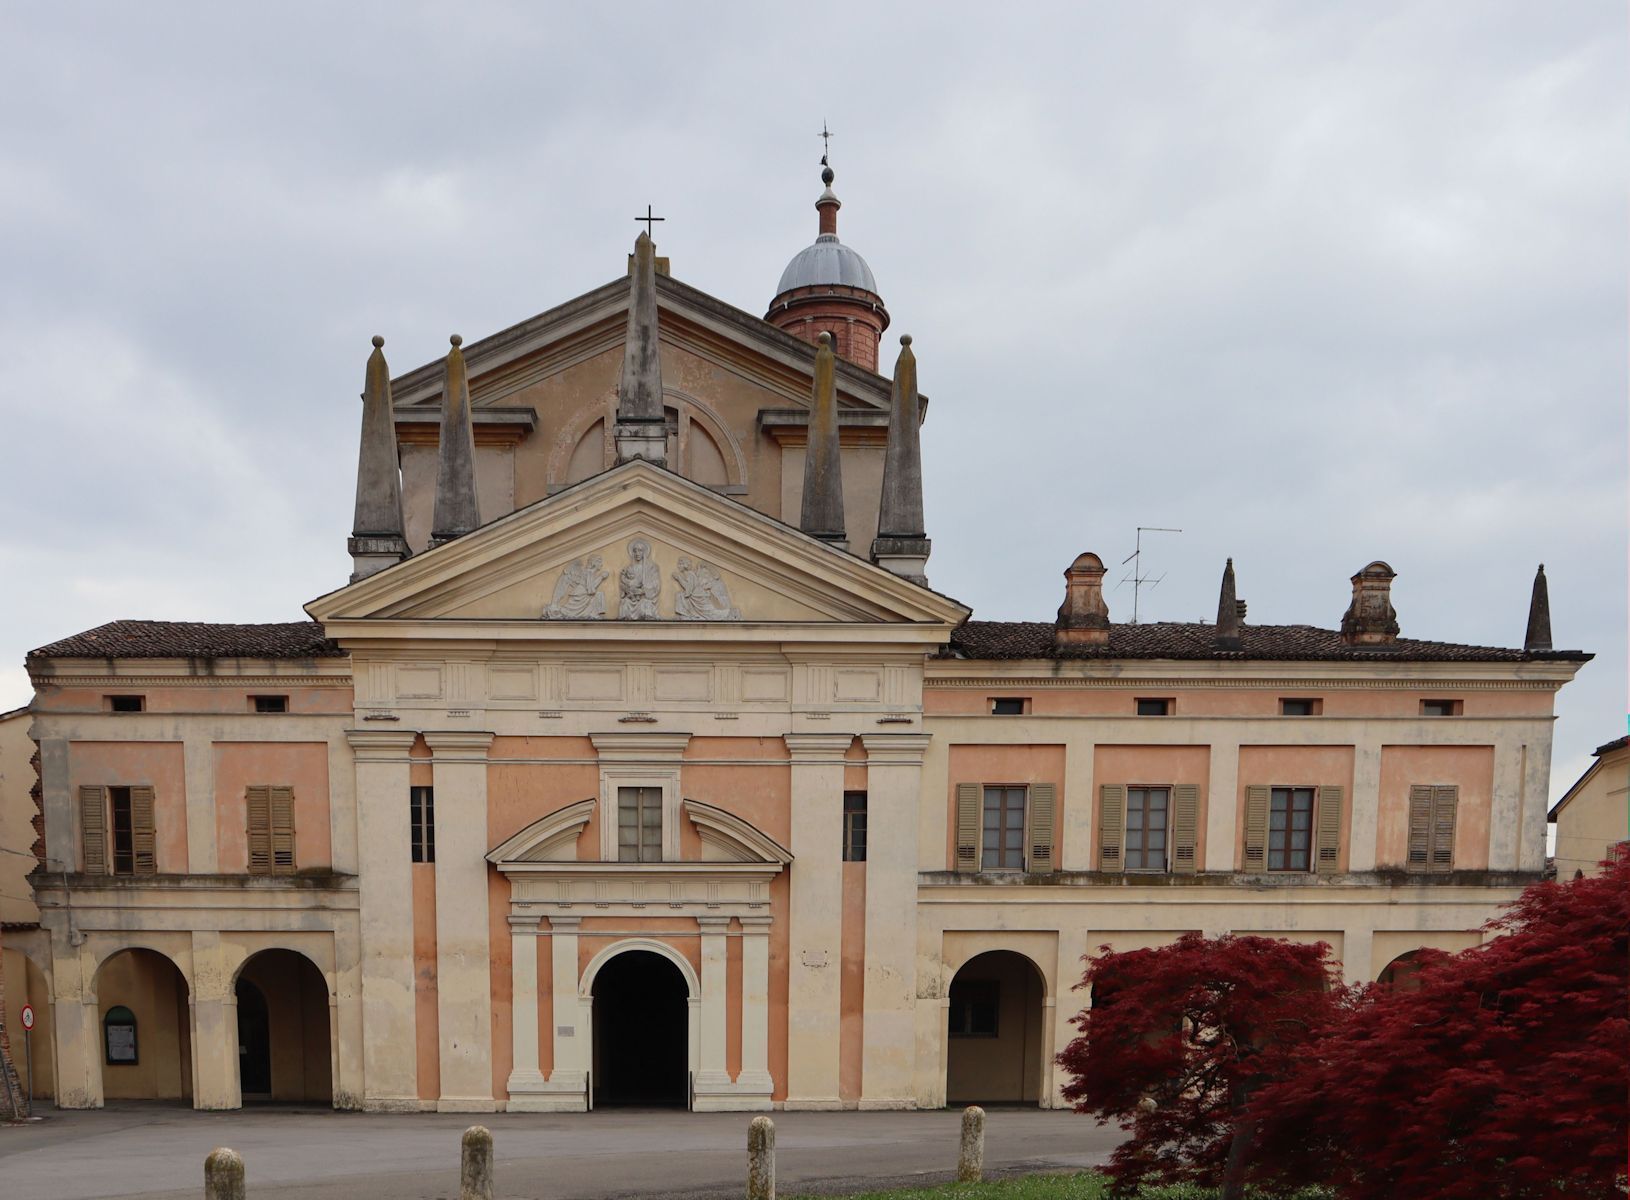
pixel 1228 614
pixel 1538 636
pixel 902 544
pixel 377 539
pixel 457 510
pixel 822 513
pixel 641 429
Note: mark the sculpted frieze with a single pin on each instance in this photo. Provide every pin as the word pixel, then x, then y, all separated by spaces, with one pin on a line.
pixel 702 594
pixel 577 593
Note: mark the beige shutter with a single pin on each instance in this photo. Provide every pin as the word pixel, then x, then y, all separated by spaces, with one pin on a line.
pixel 1043 802
pixel 968 811
pixel 1418 855
pixel 93 829
pixel 1327 840
pixel 1444 800
pixel 258 801
pixel 1185 827
pixel 1111 826
pixel 1256 828
pixel 143 834
pixel 282 830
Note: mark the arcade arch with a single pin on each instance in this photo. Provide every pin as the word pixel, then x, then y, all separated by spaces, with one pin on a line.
pixel 643 1003
pixel 285 1040
pixel 144 1027
pixel 997 1032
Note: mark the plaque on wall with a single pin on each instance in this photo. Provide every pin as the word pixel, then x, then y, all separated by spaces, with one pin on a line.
pixel 119 1034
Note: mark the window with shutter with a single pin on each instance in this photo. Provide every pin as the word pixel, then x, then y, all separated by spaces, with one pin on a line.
pixel 1043 801
pixel 1185 827
pixel 1002 847
pixel 1418 852
pixel 121 833
pixel 257 801
pixel 1256 828
pixel 1290 829
pixel 1328 858
pixel 1444 800
pixel 282 830
pixel 967 826
pixel 1111 825
pixel 143 833
pixel 1148 826
pixel 93 837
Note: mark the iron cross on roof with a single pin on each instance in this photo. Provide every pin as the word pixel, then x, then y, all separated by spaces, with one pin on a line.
pixel 826 143
pixel 650 221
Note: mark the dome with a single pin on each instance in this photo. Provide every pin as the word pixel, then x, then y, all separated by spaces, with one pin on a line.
pixel 827 262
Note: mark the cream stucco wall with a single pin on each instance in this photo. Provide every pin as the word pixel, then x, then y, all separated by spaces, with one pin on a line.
pixel 1593 817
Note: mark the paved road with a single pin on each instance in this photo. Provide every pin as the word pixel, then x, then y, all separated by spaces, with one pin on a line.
pixel 158 1152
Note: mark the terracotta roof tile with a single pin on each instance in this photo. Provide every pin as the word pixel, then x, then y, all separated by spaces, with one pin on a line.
pixel 194 639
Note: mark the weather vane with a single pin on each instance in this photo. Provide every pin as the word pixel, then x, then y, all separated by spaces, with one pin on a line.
pixel 649 221
pixel 826 143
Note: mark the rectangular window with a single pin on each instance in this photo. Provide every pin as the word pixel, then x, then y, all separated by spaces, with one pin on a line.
pixel 975 1004
pixel 854 827
pixel 1290 829
pixel 270 811
pixel 639 824
pixel 1147 810
pixel 1003 829
pixel 1008 706
pixel 422 816
pixel 124 831
pixel 126 704
pixel 1299 708
pixel 1440 708
pixel 270 704
pixel 1432 826
pixel 1154 708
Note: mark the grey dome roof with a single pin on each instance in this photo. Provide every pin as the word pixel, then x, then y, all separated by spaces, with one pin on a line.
pixel 828 261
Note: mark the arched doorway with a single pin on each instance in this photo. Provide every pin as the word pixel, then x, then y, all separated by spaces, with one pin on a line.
pixel 995 1031
pixel 1400 972
pixel 641 1032
pixel 284 1053
pixel 144 1028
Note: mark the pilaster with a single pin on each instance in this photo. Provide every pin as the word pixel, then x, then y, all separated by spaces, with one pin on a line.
pixel 754 1079
pixel 214 1008
pixel 1222 805
pixel 1366 811
pixel 524 1074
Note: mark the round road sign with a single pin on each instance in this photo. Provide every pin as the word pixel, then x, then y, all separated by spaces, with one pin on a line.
pixel 28 1016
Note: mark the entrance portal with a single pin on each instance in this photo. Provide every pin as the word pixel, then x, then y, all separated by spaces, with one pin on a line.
pixel 145 1028
pixel 995 1031
pixel 641 1032
pixel 283 1041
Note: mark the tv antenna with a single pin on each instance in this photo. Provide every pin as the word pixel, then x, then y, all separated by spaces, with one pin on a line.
pixel 1137 579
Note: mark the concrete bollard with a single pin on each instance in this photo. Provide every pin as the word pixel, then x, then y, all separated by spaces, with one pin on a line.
pixel 761 1159
pixel 223 1175
pixel 475 1164
pixel 970 1162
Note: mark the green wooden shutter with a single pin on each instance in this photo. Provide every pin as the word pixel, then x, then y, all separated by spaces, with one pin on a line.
pixel 1256 828
pixel 1444 801
pixel 1111 826
pixel 93 829
pixel 258 802
pixel 1185 827
pixel 1327 842
pixel 143 833
pixel 1039 811
pixel 1418 855
pixel 282 830
pixel 968 810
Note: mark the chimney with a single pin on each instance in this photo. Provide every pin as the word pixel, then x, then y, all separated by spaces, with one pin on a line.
pixel 1083 618
pixel 377 539
pixel 457 510
pixel 1538 636
pixel 901 544
pixel 1370 619
pixel 822 513
pixel 1230 613
pixel 642 426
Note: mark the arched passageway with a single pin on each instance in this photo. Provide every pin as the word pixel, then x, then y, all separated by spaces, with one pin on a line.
pixel 995 1031
pixel 284 1053
pixel 641 1032
pixel 145 1028
pixel 1400 972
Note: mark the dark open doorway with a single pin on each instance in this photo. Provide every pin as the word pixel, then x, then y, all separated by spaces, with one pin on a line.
pixel 284 1045
pixel 254 1043
pixel 641 1033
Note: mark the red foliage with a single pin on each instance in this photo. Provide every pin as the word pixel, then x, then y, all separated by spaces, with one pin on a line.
pixel 1179 1038
pixel 1502 1073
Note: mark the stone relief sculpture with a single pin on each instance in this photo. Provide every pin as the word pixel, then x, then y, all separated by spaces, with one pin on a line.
pixel 577 593
pixel 639 584
pixel 702 594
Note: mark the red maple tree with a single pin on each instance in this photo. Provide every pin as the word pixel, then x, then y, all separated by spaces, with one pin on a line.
pixel 1499 1073
pixel 1179 1040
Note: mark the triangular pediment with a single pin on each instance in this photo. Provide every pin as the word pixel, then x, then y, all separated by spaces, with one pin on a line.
pixel 638 551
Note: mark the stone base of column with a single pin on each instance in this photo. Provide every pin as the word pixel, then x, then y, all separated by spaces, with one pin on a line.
pixel 565 1091
pixel 888 1104
pixel 466 1104
pixel 397 1104
pixel 813 1104
pixel 717 1092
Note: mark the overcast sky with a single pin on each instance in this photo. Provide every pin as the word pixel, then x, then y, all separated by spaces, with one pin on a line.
pixel 1316 283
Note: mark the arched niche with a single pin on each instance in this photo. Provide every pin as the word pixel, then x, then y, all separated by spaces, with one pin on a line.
pixel 699 441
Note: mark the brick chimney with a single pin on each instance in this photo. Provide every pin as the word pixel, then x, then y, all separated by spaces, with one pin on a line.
pixel 1370 619
pixel 1083 618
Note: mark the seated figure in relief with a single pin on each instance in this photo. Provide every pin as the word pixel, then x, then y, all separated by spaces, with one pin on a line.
pixel 702 594
pixel 577 594
pixel 639 584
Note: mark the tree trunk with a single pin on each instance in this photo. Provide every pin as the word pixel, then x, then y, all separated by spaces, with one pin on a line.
pixel 1239 1149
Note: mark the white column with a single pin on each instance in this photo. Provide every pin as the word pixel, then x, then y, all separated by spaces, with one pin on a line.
pixel 1505 804
pixel 571 1035
pixel 1222 802
pixel 1075 943
pixel 712 1078
pixel 523 979
pixel 1357 950
pixel 894 764
pixel 385 901
pixel 1077 852
pixel 463 970
pixel 754 1079
pixel 198 762
pixel 1366 813
pixel 815 917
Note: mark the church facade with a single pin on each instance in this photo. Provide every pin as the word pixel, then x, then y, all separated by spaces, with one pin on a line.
pixel 639 763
